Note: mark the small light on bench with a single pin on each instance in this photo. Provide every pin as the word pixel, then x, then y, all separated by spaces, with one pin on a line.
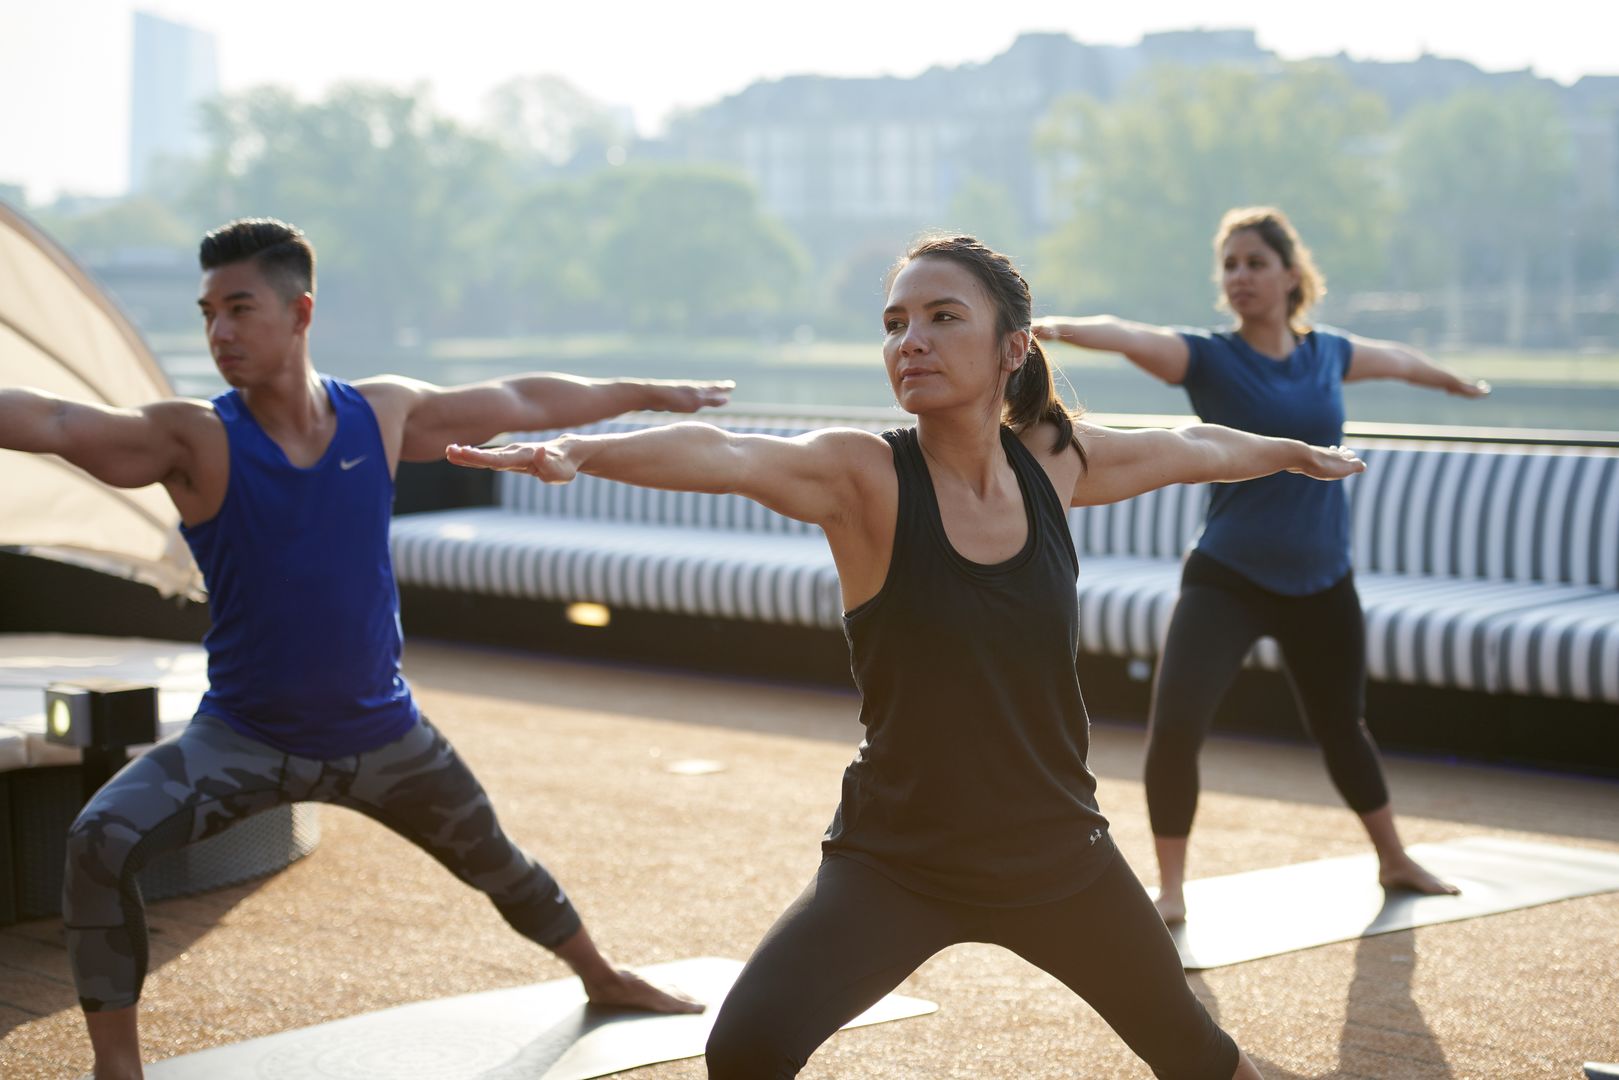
pixel 588 614
pixel 102 717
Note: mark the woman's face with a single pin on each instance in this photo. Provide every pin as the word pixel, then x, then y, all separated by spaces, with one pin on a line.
pixel 940 344
pixel 1255 282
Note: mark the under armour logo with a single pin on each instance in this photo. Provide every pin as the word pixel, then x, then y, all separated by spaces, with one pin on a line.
pixel 348 463
pixel 1096 834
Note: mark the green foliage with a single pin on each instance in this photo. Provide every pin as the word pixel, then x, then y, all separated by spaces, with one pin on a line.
pixel 665 247
pixel 687 247
pixel 987 210
pixel 426 225
pixel 140 221
pixel 394 196
pixel 1148 177
pixel 1484 177
pixel 543 121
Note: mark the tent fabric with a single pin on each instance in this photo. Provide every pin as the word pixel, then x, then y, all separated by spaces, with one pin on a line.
pixel 59 332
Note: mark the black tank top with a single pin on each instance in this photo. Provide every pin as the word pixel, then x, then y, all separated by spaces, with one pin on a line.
pixel 971 783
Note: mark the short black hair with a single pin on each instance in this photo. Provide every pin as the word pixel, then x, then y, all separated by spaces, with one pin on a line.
pixel 284 255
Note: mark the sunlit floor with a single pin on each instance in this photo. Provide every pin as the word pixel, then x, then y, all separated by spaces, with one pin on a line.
pixel 665 862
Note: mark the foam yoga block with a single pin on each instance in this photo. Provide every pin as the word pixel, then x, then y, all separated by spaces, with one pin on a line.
pixel 1265 912
pixel 545 1031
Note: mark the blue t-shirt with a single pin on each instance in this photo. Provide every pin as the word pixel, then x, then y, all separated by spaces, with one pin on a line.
pixel 303 651
pixel 1286 532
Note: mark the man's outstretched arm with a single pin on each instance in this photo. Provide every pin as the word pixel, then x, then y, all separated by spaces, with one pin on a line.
pixel 437 416
pixel 122 447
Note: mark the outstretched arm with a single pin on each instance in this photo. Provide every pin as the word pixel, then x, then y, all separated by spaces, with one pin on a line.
pixel 1391 360
pixel 435 416
pixel 122 447
pixel 1122 464
pixel 812 477
pixel 1157 350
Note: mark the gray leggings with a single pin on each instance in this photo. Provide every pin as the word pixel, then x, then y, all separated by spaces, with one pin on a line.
pixel 209 778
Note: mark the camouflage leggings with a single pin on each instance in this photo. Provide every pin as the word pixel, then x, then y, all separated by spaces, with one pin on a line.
pixel 209 777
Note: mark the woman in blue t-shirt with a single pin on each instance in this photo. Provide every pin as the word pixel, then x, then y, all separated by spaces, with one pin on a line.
pixel 1273 557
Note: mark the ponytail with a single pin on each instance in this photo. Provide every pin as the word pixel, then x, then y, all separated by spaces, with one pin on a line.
pixel 1031 397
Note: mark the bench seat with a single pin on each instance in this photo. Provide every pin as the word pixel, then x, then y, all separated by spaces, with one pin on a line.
pixel 1483 567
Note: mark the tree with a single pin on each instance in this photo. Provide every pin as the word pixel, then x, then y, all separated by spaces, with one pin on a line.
pixel 544 122
pixel 400 201
pixel 1484 177
pixel 685 247
pixel 987 210
pixel 140 221
pixel 1145 180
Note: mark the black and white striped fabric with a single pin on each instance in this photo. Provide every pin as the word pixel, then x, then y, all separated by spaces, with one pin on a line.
pixel 1490 568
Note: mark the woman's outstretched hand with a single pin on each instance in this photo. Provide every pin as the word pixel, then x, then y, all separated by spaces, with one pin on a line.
pixel 1330 463
pixel 547 460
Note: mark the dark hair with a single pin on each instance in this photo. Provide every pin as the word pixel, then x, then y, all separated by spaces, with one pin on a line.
pixel 284 256
pixel 1031 392
pixel 1272 226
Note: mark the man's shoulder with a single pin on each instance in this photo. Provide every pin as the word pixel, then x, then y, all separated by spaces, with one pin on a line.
pixel 185 414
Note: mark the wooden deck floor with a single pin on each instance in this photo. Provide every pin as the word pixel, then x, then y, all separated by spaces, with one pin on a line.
pixel 665 865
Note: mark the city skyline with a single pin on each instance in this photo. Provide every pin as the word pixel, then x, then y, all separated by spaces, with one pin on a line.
pixel 72 63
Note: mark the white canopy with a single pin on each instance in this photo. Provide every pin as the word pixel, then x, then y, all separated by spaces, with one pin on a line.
pixel 59 332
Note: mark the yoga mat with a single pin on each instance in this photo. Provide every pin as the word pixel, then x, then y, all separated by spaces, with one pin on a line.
pixel 540 1032
pixel 1266 912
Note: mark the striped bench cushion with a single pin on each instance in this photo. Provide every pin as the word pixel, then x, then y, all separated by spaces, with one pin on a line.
pixel 1569 649
pixel 1520 513
pixel 1483 568
pixel 1517 637
pixel 679 569
pixel 1534 514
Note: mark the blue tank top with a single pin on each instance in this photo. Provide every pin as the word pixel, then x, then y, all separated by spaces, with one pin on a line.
pixel 303 652
pixel 1286 532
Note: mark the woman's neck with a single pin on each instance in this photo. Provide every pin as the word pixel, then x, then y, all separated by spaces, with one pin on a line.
pixel 963 447
pixel 1272 337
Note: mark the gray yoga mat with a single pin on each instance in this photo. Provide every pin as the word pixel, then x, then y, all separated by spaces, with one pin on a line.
pixel 1266 912
pixel 540 1032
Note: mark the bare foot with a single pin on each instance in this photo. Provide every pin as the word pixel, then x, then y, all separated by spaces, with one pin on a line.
pixel 627 990
pixel 1405 873
pixel 1171 907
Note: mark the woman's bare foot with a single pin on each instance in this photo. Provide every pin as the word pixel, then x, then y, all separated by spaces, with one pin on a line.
pixel 1406 873
pixel 1171 907
pixel 626 990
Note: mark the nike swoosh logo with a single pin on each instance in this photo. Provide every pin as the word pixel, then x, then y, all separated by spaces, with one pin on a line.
pixel 346 464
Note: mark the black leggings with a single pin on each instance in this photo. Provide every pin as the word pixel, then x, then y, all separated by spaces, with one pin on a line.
pixel 1219 616
pixel 854 935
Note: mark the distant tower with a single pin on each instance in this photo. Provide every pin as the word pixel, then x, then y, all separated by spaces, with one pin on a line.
pixel 174 71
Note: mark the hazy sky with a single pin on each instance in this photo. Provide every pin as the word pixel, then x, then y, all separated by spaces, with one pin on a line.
pixel 64 64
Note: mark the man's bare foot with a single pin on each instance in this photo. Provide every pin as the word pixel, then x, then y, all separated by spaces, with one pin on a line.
pixel 1171 907
pixel 627 990
pixel 1407 874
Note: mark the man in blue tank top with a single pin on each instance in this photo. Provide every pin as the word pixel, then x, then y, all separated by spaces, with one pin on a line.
pixel 284 485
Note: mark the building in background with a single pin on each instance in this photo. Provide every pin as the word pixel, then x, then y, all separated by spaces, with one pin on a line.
pixel 174 71
pixel 857 166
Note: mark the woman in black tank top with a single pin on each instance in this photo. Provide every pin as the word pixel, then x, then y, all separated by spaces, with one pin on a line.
pixel 968 812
